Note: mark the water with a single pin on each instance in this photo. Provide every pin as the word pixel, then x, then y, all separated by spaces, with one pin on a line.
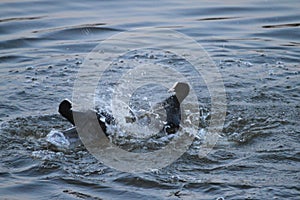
pixel 255 45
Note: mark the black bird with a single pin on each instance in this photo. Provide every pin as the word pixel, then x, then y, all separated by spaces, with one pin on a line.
pixel 65 109
pixel 171 106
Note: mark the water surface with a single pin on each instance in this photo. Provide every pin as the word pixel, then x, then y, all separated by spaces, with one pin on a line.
pixel 255 45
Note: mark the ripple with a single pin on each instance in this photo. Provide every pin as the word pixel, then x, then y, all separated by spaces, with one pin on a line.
pixel 281 25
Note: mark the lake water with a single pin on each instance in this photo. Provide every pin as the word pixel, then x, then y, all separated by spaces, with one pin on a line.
pixel 255 46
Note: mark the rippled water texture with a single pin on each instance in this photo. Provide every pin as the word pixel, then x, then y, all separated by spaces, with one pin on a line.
pixel 255 45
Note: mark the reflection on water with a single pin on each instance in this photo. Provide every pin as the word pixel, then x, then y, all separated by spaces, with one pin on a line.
pixel 255 45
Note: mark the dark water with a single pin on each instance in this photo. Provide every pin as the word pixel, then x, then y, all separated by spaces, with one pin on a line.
pixel 255 45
